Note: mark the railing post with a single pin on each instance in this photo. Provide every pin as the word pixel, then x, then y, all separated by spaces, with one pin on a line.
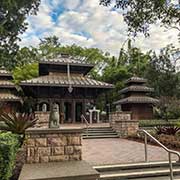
pixel 145 147
pixel 170 166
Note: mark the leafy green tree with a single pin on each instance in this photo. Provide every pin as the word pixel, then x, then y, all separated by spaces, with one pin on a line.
pixel 161 74
pixel 13 14
pixel 25 72
pixel 26 56
pixel 139 14
pixel 50 47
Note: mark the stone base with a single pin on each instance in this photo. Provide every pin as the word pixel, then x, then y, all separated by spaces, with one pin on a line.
pixel 72 170
pixel 53 145
pixel 122 123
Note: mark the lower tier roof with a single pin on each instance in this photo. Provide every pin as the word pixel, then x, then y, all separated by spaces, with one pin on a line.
pixel 63 81
pixel 137 100
pixel 8 96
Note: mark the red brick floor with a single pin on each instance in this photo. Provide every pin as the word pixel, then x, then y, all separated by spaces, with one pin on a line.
pixel 115 150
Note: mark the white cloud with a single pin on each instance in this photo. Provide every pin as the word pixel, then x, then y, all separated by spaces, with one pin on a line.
pixel 86 23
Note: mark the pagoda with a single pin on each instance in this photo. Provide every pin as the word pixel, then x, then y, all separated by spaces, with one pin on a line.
pixel 8 98
pixel 136 99
pixel 64 81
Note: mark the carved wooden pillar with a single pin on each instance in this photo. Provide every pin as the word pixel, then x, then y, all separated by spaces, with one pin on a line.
pixel 73 111
pixel 62 111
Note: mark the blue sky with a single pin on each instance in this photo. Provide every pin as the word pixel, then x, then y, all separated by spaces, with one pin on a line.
pixel 86 23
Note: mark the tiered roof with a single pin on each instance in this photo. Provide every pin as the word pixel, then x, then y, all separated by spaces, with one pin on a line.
pixel 136 92
pixel 53 72
pixel 7 86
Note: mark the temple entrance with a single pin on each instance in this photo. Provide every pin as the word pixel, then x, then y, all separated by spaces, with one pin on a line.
pixel 78 111
pixel 67 112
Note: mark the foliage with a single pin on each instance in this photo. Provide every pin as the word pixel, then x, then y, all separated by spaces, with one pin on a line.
pixel 168 108
pixel 25 72
pixel 9 145
pixel 12 23
pixel 161 73
pixel 138 15
pixel 172 142
pixel 157 122
pixel 168 130
pixel 17 122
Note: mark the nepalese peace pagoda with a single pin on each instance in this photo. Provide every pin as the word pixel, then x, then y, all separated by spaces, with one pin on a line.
pixel 63 82
pixel 136 99
pixel 8 91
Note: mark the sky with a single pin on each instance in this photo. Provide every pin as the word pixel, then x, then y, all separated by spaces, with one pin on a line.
pixel 86 23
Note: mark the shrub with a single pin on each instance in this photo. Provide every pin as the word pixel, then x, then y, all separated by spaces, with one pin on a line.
pixel 17 122
pixel 9 145
pixel 171 130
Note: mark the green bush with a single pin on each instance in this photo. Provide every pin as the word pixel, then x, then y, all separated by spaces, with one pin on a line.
pixel 9 144
pixel 154 123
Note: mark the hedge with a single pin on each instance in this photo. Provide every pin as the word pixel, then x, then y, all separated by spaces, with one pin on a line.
pixel 9 145
pixel 154 123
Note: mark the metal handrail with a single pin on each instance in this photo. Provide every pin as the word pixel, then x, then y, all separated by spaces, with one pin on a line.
pixel 164 147
pixel 87 123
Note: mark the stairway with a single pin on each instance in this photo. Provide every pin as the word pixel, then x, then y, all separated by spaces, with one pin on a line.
pixel 138 171
pixel 99 132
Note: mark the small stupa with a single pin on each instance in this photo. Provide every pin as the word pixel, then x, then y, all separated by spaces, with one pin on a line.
pixel 136 99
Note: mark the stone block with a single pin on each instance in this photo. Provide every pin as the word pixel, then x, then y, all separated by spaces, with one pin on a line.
pixel 30 152
pixel 44 151
pixel 53 141
pixel 41 142
pixel 44 159
pixel 69 150
pixel 75 157
pixel 58 158
pixel 31 142
pixel 77 149
pixel 58 150
pixel 74 140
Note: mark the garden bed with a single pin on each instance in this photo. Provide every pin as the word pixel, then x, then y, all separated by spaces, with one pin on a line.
pixel 171 142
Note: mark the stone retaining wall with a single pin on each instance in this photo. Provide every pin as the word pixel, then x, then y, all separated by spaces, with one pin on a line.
pixel 122 123
pixel 53 145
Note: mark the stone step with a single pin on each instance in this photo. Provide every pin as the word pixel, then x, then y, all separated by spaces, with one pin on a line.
pixel 116 167
pixel 99 134
pixel 92 132
pixel 100 137
pixel 141 173
pixel 138 171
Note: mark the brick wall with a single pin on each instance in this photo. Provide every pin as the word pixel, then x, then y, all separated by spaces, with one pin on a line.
pixel 53 145
pixel 123 124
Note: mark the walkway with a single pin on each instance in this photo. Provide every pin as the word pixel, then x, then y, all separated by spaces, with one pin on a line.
pixel 115 150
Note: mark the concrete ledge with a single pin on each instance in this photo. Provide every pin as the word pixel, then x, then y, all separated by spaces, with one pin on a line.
pixel 72 170
pixel 55 130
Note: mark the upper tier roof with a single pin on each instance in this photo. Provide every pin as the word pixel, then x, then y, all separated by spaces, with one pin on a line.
pixel 134 88
pixel 62 81
pixel 4 72
pixel 136 79
pixel 59 64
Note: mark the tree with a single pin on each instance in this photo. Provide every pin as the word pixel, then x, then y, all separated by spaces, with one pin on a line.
pixel 161 73
pixel 13 14
pixel 50 47
pixel 25 72
pixel 139 14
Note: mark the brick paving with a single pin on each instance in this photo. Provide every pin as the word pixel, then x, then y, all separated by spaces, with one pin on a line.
pixel 116 150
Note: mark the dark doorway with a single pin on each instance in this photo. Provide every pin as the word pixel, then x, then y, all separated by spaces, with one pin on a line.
pixel 78 111
pixel 67 112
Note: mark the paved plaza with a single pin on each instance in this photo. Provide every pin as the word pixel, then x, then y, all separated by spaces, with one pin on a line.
pixel 116 150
